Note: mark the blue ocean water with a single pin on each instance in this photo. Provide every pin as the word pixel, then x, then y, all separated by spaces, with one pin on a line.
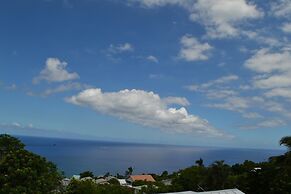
pixel 75 156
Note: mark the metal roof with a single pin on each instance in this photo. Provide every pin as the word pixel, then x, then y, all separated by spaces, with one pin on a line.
pixel 227 191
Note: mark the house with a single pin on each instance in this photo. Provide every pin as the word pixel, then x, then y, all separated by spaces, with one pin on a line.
pixel 256 169
pixel 66 182
pixel 167 182
pixel 110 177
pixel 122 182
pixel 101 181
pixel 76 177
pixel 86 178
pixel 147 178
pixel 227 191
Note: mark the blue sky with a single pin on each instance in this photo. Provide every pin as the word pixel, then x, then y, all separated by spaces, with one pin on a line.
pixel 185 72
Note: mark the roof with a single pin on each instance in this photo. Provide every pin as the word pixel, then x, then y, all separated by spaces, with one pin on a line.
pixel 86 178
pixel 148 178
pixel 227 191
pixel 100 181
pixel 122 181
pixel 77 177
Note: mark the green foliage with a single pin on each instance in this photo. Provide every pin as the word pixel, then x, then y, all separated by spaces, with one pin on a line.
pixel 129 172
pixel 89 187
pixel 114 181
pixel 217 175
pixel 140 183
pixel 24 172
pixel 86 174
pixel 9 144
pixel 190 179
pixel 272 177
pixel 199 162
pixel 286 141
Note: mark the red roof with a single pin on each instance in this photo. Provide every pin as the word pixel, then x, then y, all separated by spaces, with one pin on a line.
pixel 148 178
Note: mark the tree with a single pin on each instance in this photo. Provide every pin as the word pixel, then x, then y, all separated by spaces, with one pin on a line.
pixel 217 175
pixel 9 144
pixel 86 174
pixel 164 174
pixel 199 162
pixel 286 141
pixel 89 187
pixel 129 172
pixel 25 172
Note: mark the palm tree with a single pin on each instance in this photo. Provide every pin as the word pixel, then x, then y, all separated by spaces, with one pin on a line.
pixel 286 141
pixel 200 162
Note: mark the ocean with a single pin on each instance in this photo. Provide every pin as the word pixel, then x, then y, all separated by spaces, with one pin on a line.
pixel 75 156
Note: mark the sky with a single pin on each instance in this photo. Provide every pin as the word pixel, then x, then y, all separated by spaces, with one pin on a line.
pixel 181 72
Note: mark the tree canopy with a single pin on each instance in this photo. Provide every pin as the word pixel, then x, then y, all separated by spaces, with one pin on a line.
pixel 23 171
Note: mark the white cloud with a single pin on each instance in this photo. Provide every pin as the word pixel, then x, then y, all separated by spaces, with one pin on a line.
pixel 265 61
pixel 222 17
pixel 153 59
pixel 120 48
pixel 252 115
pixel 176 100
pixel 145 108
pixel 220 81
pixel 160 3
pixel 273 81
pixel 233 103
pixel 192 49
pixel 286 27
pixel 15 124
pixel 279 92
pixel 220 93
pixel 64 88
pixel 281 8
pixel 270 123
pixel 274 69
pixel 55 71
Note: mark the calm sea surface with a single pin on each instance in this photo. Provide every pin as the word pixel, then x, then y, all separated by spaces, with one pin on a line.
pixel 75 156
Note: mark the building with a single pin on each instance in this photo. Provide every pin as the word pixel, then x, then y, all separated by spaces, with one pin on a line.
pixel 66 182
pixel 227 191
pixel 147 178
pixel 101 181
pixel 76 177
pixel 122 182
pixel 86 178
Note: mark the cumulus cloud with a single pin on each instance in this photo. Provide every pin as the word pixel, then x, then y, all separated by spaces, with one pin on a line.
pixel 152 59
pixel 222 17
pixel 145 108
pixel 192 49
pixel 120 48
pixel 55 71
